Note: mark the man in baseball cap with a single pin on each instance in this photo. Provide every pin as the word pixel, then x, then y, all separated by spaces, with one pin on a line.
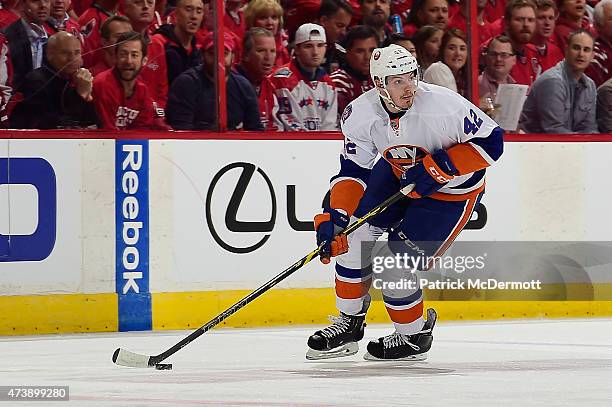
pixel 305 92
pixel 192 98
pixel 228 42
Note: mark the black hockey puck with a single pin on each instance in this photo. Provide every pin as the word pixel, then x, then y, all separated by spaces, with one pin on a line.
pixel 163 366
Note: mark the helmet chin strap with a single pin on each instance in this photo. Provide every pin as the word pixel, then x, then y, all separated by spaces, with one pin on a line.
pixel 384 94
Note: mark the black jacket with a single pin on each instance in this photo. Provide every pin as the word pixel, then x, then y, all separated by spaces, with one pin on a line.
pixel 50 102
pixel 191 102
pixel 177 58
pixel 21 52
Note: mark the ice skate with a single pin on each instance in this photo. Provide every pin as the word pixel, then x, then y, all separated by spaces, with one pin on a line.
pixel 404 347
pixel 340 338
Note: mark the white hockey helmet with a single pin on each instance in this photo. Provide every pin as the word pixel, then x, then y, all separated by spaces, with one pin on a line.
pixel 391 60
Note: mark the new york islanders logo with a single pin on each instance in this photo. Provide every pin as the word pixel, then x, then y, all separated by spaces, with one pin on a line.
pixel 403 156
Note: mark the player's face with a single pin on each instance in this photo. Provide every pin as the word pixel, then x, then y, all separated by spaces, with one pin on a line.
pixel 335 25
pixel 65 57
pixel 37 11
pixel 376 12
pixel 402 88
pixel 432 45
pixel 522 24
pixel 545 23
pixel 129 60
pixel 139 11
pixel 310 54
pixel 579 53
pixel 189 15
pixel 499 59
pixel 573 8
pixel 434 12
pixel 358 56
pixel 268 20
pixel 455 54
pixel 260 60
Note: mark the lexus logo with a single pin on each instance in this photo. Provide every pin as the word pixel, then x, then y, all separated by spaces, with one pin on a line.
pixel 232 224
pixel 264 228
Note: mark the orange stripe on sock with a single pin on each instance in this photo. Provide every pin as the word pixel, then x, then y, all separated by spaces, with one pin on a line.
pixel 351 291
pixel 406 316
pixel 466 158
pixel 467 214
pixel 346 195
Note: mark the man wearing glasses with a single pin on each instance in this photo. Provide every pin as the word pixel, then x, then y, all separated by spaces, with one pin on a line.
pixel 499 60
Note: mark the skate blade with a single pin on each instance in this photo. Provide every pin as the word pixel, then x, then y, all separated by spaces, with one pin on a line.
pixel 411 358
pixel 347 349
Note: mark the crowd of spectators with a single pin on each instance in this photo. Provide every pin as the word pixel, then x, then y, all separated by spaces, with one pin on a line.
pixel 292 65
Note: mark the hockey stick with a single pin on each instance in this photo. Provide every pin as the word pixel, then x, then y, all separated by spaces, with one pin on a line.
pixel 130 359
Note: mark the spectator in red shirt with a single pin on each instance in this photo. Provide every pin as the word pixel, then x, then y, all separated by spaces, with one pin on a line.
pixel 427 12
pixel 233 18
pixel 269 15
pixel 548 53
pixel 111 29
pixel 485 32
pixel 178 40
pixel 8 13
pixel 520 25
pixel 259 53
pixel 601 68
pixel 353 78
pixel 154 73
pixel 427 42
pixel 121 99
pixel 376 15
pixel 298 12
pixel 494 10
pixel 90 22
pixel 401 7
pixel 572 17
pixel 335 16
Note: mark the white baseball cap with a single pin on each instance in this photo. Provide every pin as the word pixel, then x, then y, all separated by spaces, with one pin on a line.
pixel 310 32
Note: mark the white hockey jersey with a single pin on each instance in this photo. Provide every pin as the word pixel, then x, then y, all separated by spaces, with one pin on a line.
pixel 438 119
pixel 305 105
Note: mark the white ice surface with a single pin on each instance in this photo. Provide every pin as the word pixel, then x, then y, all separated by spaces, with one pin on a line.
pixel 527 363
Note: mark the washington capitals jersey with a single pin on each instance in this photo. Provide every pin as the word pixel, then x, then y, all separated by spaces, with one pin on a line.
pixel 305 105
pixel 438 119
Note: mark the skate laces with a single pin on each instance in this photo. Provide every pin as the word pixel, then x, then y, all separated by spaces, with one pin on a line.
pixel 339 325
pixel 397 339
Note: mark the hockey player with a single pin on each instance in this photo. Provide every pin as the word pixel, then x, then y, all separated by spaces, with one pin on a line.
pixel 426 136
